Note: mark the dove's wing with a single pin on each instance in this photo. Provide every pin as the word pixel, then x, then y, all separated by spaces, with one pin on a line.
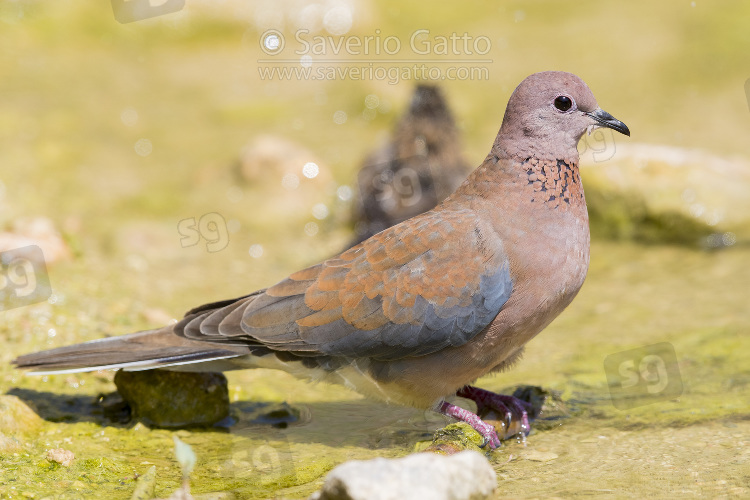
pixel 432 282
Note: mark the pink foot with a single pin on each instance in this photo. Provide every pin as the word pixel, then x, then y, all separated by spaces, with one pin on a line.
pixel 511 407
pixel 486 430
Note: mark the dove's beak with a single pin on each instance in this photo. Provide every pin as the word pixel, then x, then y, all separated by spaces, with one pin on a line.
pixel 604 119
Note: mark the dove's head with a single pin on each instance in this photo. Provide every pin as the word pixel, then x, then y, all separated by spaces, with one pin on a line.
pixel 548 113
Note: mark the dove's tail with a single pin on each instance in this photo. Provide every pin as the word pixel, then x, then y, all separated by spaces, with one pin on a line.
pixel 137 351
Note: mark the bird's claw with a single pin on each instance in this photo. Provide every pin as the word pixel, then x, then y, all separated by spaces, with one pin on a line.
pixel 487 431
pixel 513 407
pixel 493 440
pixel 513 412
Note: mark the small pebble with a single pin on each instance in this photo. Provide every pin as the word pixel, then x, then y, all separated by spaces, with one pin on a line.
pixel 61 456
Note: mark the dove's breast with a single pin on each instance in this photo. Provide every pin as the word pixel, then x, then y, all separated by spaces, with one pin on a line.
pixel 539 213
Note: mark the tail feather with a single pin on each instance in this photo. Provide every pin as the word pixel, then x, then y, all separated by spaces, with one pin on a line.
pixel 136 351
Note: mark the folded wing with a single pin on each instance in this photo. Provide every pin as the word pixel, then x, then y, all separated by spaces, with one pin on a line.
pixel 429 283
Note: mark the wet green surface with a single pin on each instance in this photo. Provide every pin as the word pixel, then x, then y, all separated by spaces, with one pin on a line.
pixel 629 301
pixel 68 72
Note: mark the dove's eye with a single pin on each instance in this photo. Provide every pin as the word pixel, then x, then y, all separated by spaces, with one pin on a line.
pixel 563 103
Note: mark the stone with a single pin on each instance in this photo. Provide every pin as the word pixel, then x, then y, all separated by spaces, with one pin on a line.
pixel 463 476
pixel 665 194
pixel 455 438
pixel 61 456
pixel 162 398
pixel 16 416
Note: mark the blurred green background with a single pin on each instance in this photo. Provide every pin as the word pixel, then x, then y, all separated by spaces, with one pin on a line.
pixel 117 132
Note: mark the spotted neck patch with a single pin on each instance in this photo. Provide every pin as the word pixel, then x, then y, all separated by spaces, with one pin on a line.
pixel 555 183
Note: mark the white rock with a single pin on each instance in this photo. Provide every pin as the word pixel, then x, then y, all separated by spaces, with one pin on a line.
pixel 463 476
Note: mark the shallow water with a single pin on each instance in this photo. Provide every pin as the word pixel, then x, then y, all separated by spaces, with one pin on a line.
pixel 696 443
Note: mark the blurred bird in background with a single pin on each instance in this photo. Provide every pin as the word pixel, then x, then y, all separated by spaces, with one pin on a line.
pixel 420 166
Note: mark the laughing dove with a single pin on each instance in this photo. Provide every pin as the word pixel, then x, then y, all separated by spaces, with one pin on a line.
pixel 420 166
pixel 421 310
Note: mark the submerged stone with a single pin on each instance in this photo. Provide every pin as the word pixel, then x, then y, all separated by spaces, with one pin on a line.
pixel 548 407
pixel 280 417
pixel 161 398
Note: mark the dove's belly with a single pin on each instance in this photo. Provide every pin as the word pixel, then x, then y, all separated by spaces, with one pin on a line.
pixel 360 375
pixel 554 269
pixel 548 282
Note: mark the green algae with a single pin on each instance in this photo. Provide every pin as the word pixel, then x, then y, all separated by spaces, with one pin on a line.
pixel 626 216
pixel 456 437
pixel 145 486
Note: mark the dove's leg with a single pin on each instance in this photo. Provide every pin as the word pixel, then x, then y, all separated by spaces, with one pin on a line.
pixel 511 407
pixel 486 430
